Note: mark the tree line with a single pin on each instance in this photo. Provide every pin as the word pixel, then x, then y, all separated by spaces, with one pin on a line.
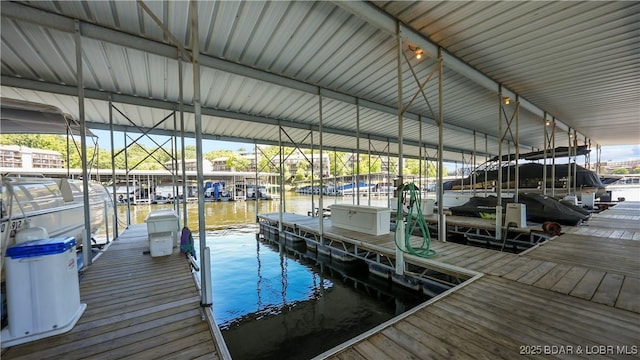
pixel 140 157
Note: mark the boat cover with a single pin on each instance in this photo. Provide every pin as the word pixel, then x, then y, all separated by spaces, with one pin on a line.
pixel 540 208
pixel 531 176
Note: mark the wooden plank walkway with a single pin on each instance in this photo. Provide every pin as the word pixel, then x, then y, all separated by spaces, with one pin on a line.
pixel 621 221
pixel 496 318
pixel 576 295
pixel 138 307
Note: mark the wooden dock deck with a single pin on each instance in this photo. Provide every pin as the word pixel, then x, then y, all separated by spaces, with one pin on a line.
pixel 138 307
pixel 576 295
pixel 497 318
pixel 450 254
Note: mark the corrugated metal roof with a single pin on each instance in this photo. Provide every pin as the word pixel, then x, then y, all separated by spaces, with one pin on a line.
pixel 578 60
pixel 264 63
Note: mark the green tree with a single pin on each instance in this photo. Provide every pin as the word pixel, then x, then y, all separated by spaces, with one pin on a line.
pixel 337 162
pixel 269 158
pixel 215 154
pixel 301 171
pixel 368 167
pixel 636 170
pixel 96 158
pixel 189 152
pixel 412 166
pixel 620 171
pixel 36 141
pixel 237 162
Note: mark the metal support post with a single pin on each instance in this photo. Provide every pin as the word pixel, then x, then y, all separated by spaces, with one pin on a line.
pixel 400 247
pixel 442 226
pixel 184 165
pixel 113 171
pixel 281 210
pixel 205 268
pixel 86 241
pixel 320 200
pixel 357 181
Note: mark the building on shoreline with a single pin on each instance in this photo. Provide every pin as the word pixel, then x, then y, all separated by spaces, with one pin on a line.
pixel 16 156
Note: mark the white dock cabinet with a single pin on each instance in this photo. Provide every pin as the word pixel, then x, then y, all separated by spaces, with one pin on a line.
pixel 371 220
pixel 43 293
pixel 516 213
pixel 160 222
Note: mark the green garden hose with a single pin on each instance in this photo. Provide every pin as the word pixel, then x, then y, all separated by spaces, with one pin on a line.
pixel 413 221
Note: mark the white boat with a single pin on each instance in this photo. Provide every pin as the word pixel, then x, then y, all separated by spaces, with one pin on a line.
pixel 125 193
pixel 168 192
pixel 57 205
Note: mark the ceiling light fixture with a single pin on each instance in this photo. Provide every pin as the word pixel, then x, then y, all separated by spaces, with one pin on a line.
pixel 507 100
pixel 547 122
pixel 417 51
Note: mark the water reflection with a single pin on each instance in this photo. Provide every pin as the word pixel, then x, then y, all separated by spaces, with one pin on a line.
pixel 277 303
pixel 278 282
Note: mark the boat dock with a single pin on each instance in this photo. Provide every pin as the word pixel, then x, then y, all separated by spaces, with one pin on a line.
pixel 574 295
pixel 138 307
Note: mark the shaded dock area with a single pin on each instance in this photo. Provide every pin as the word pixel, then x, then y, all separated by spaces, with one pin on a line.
pixel 138 307
pixel 452 257
pixel 493 318
pixel 576 295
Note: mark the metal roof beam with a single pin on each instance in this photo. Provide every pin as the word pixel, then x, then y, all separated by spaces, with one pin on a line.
pixel 162 132
pixel 171 106
pixel 96 32
pixel 381 20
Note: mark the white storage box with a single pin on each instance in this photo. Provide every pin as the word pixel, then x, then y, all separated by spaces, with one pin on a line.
pixel 426 207
pixel 161 244
pixel 588 200
pixel 366 219
pixel 43 294
pixel 162 221
pixel 516 213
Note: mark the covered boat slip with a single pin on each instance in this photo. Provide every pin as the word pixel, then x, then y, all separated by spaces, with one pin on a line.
pixel 573 294
pixel 138 307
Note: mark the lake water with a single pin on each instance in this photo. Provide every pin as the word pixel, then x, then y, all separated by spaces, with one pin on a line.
pixel 277 303
pixel 274 303
pixel 234 214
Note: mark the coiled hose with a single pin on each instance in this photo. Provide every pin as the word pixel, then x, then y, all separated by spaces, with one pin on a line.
pixel 413 221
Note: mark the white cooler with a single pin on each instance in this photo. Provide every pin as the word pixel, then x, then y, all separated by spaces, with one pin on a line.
pixel 163 221
pixel 43 294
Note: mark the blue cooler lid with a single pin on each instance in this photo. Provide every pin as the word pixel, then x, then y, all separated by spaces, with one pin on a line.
pixel 40 247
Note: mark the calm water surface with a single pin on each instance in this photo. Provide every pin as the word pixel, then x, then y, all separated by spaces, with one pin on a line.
pixel 234 214
pixel 274 303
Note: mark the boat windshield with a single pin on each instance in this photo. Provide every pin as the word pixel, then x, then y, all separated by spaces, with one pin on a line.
pixel 35 196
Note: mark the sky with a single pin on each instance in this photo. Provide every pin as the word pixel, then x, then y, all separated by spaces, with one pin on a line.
pixel 620 153
pixel 609 153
